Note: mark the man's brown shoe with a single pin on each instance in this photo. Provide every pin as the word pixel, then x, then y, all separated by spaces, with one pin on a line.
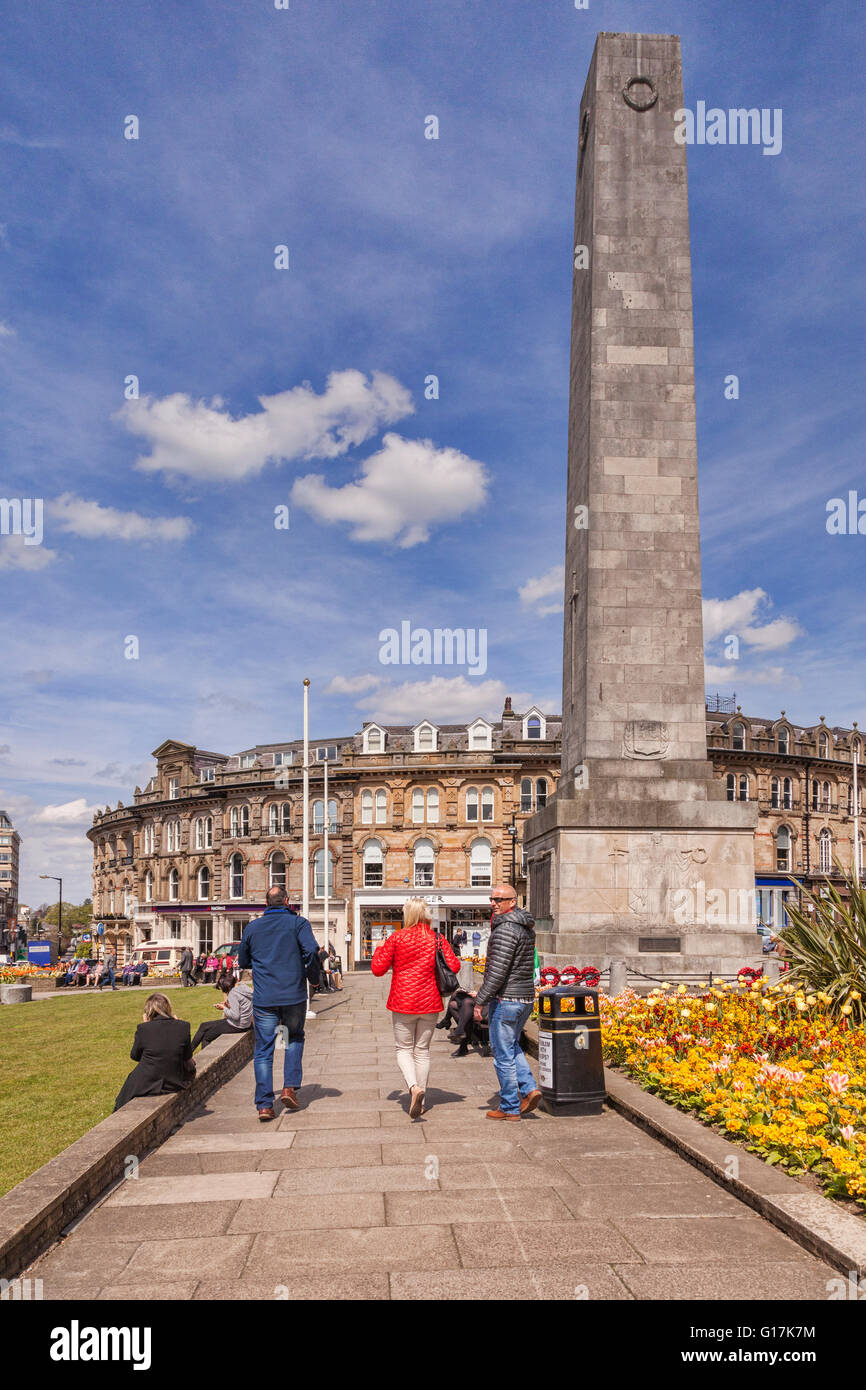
pixel 267 1113
pixel 289 1098
pixel 530 1102
pixel 500 1115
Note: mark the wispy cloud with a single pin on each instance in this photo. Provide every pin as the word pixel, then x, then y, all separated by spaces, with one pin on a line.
pixel 543 594
pixel 93 521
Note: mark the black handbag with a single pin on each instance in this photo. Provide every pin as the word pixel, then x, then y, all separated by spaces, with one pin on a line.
pixel 446 980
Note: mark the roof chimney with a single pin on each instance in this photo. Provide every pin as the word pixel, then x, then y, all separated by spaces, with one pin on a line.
pixel 508 709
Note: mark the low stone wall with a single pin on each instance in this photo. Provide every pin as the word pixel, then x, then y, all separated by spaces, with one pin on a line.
pixel 35 1213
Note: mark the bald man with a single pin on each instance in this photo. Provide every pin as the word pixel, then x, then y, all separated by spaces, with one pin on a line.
pixel 508 990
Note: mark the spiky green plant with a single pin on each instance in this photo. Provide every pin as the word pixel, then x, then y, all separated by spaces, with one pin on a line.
pixel 827 945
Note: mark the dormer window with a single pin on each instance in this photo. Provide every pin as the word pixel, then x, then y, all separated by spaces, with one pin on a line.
pixel 282 759
pixel 782 739
pixel 738 737
pixel 374 739
pixel 248 760
pixel 425 739
pixel 479 735
pixel 534 725
pixel 206 774
pixel 173 788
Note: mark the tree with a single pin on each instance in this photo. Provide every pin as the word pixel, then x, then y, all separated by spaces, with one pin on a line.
pixel 72 912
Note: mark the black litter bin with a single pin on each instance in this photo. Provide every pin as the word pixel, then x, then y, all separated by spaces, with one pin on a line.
pixel 570 1064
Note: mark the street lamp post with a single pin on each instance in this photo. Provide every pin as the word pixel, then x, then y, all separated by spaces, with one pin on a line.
pixel 56 879
pixel 512 830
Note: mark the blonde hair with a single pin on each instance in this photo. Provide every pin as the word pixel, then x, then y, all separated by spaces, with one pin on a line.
pixel 157 1006
pixel 415 910
pixel 245 977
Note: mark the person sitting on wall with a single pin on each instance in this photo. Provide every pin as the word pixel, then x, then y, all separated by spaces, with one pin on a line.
pixel 163 1051
pixel 237 1007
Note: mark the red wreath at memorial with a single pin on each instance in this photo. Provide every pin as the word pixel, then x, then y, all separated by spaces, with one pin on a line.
pixel 748 972
pixel 588 977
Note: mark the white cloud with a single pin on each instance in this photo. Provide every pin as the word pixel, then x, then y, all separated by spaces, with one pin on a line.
pixel 93 521
pixel 446 699
pixel 69 813
pixel 405 489
pixel 6 330
pixel 15 555
pixel 193 439
pixel 352 685
pixel 737 616
pixel 734 674
pixel 536 593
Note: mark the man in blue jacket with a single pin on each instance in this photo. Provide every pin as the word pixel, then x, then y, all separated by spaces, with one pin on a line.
pixel 279 946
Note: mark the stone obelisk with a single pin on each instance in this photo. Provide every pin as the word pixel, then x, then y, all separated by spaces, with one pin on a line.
pixel 638 856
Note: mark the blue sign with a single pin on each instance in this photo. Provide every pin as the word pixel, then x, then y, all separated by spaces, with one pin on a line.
pixel 39 952
pixel 100 928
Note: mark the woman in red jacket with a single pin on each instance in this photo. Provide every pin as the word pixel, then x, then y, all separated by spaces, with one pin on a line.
pixel 414 1000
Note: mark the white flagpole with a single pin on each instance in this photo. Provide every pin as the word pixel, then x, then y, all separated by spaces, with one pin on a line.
pixel 305 881
pixel 858 867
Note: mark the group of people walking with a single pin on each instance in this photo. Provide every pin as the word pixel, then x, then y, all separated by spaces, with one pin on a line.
pixel 279 959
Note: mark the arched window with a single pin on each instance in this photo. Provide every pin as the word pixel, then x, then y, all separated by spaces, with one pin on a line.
pixel 374 865
pixel 782 739
pixel 823 746
pixel 203 883
pixel 173 885
pixel 731 786
pixel 374 740
pixel 366 808
pixel 425 739
pixel 318 817
pixel 285 818
pixel 432 805
pixel 319 873
pixel 744 787
pixel 816 796
pixel 240 820
pixel 855 749
pixel 204 832
pixel 480 864
pixel 417 806
pixel 775 799
pixel 472 804
pixel 860 859
pixel 533 727
pixel 526 794
pixel 148 887
pixel 738 736
pixel 783 849
pixel 273 819
pixel 826 796
pixel 825 851
pixel 540 792
pixel 148 838
pixel 787 794
pixel 277 870
pixel 424 861
pixel 381 806
pixel 487 803
pixel 236 876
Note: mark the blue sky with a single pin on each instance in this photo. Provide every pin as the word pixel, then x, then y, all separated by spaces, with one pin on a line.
pixel 407 256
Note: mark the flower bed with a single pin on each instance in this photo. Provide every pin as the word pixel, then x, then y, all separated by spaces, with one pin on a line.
pixel 766 1064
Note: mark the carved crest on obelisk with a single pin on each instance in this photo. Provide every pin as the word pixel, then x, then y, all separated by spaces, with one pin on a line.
pixel 645 738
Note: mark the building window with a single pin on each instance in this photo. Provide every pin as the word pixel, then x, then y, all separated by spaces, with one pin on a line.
pixel 282 759
pixel 432 806
pixel 381 806
pixel 148 887
pixel 279 818
pixel 775 800
pixel 240 820
pixel 540 792
pixel 206 774
pixel 744 787
pixel 782 740
pixel 823 746
pixel 277 870
pixel 487 804
pixel 172 836
pixel 816 796
pixel 534 727
pixel 425 739
pixel 825 851
pixel 374 740
pixel 424 860
pixel 783 849
pixel 480 864
pixel 472 804
pixel 204 832
pixel 319 817
pixel 148 838
pixel 174 929
pixel 738 737
pixel 366 808
pixel 479 736
pixel 236 876
pixel 327 754
pixel 248 760
pixel 173 885
pixel 827 796
pixel 203 883
pixel 418 806
pixel 319 874
pixel 787 794
pixel 374 867
pixel 526 794
pixel 173 788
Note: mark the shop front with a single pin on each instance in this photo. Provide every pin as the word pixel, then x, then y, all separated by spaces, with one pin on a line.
pixel 462 915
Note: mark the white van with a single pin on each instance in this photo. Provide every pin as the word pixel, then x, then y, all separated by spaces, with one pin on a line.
pixel 159 955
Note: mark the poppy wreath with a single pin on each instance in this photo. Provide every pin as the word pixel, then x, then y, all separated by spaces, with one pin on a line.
pixel 589 976
pixel 748 972
pixel 549 977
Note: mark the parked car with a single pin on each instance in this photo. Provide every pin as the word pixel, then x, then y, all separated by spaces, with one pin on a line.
pixel 227 954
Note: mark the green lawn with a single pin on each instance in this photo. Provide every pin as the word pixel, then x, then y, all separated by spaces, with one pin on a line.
pixel 62 1062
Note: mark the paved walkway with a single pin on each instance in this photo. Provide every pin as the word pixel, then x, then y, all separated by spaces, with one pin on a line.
pixel 351 1199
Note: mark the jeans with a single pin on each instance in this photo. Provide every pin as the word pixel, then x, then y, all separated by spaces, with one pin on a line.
pixel 266 1022
pixel 507 1018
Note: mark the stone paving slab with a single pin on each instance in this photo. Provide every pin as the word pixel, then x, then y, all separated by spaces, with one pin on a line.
pixel 350 1199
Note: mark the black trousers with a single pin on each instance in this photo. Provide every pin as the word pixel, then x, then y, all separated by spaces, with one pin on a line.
pixel 213 1028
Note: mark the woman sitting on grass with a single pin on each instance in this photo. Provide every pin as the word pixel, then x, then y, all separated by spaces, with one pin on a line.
pixel 163 1051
